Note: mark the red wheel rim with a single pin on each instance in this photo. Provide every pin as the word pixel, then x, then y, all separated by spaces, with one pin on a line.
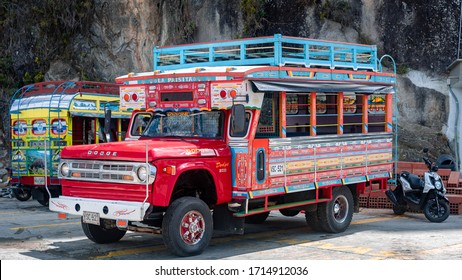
pixel 192 227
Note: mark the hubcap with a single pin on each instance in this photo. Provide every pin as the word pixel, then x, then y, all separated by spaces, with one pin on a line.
pixel 192 227
pixel 340 209
pixel 437 212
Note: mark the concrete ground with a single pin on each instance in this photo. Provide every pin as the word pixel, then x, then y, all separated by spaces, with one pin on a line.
pixel 30 231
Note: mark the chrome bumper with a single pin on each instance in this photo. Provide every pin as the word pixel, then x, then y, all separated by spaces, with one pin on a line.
pixel 107 209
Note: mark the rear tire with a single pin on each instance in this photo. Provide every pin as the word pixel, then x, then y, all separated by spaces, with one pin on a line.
pixel 335 216
pixel 22 194
pixel 105 233
pixel 187 226
pixel 312 219
pixel 431 211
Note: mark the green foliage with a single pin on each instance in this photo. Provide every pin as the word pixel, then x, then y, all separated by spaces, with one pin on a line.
pixel 27 78
pixel 364 39
pixel 45 29
pixel 38 77
pixel 254 14
pixel 402 69
pixel 6 73
pixel 337 10
pixel 188 31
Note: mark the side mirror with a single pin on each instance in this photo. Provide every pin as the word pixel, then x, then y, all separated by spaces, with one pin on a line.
pixel 425 150
pixel 238 118
pixel 107 124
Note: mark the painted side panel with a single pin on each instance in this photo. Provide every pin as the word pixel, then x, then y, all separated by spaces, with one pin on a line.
pixel 307 163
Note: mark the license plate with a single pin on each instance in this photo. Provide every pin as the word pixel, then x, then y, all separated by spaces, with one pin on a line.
pixel 39 181
pixel 91 218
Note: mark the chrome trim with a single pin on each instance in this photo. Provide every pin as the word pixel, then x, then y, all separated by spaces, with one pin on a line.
pixel 106 171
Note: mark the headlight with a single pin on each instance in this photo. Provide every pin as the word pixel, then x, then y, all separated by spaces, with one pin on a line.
pixel 64 170
pixel 142 173
pixel 438 185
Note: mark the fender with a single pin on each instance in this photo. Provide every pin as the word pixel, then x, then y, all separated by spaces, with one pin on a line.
pixel 165 183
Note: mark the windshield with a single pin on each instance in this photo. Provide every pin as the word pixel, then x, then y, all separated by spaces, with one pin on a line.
pixel 204 124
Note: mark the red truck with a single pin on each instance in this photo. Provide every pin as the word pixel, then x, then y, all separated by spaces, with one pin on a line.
pixel 227 132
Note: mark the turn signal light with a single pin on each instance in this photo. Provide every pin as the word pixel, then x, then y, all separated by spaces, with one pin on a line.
pixel 122 223
pixel 62 216
pixel 171 170
pixel 127 178
pixel 233 93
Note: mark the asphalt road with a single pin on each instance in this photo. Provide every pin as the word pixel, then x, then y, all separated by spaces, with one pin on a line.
pixel 30 231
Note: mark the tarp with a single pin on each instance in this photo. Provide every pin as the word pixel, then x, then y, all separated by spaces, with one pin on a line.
pixel 313 86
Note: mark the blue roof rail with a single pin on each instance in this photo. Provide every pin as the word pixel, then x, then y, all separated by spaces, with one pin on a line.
pixel 277 50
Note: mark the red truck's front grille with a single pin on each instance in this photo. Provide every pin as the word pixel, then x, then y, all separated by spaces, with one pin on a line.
pixel 106 171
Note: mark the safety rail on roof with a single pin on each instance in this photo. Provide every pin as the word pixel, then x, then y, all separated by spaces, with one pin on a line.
pixel 73 87
pixel 274 51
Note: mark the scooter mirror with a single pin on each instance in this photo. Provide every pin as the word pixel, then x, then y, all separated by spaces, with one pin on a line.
pixel 425 150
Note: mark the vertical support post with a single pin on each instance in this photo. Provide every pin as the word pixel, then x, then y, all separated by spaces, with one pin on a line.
pixel 119 130
pixel 182 57
pixel 365 111
pixel 282 114
pixel 155 57
pixel 211 54
pixel 313 114
pixel 69 133
pixel 340 113
pixel 242 52
pixel 96 130
pixel 46 166
pixel 388 113
pixel 353 59
pixel 278 49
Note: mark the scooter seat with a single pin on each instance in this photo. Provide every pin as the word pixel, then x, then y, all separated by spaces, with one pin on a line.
pixel 414 181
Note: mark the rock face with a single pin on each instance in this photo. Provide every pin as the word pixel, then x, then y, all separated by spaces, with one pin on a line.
pixel 117 37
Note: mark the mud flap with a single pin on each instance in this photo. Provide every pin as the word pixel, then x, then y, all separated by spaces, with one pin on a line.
pixel 224 221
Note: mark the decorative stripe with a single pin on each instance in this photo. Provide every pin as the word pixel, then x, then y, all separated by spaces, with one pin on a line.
pixel 379 175
pixel 258 193
pixel 299 188
pixel 329 183
pixel 357 179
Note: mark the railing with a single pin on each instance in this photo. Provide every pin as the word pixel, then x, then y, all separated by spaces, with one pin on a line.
pixel 71 87
pixel 274 51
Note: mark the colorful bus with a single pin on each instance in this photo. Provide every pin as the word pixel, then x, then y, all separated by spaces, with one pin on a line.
pixel 232 131
pixel 46 117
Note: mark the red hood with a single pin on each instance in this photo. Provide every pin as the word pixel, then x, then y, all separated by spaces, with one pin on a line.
pixel 157 148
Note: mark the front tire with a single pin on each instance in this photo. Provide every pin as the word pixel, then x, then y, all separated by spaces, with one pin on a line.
pixel 46 199
pixel 106 232
pixel 22 194
pixel 432 213
pixel 187 226
pixel 335 216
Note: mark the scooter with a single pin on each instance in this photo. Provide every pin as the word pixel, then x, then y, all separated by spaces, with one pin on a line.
pixel 413 193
